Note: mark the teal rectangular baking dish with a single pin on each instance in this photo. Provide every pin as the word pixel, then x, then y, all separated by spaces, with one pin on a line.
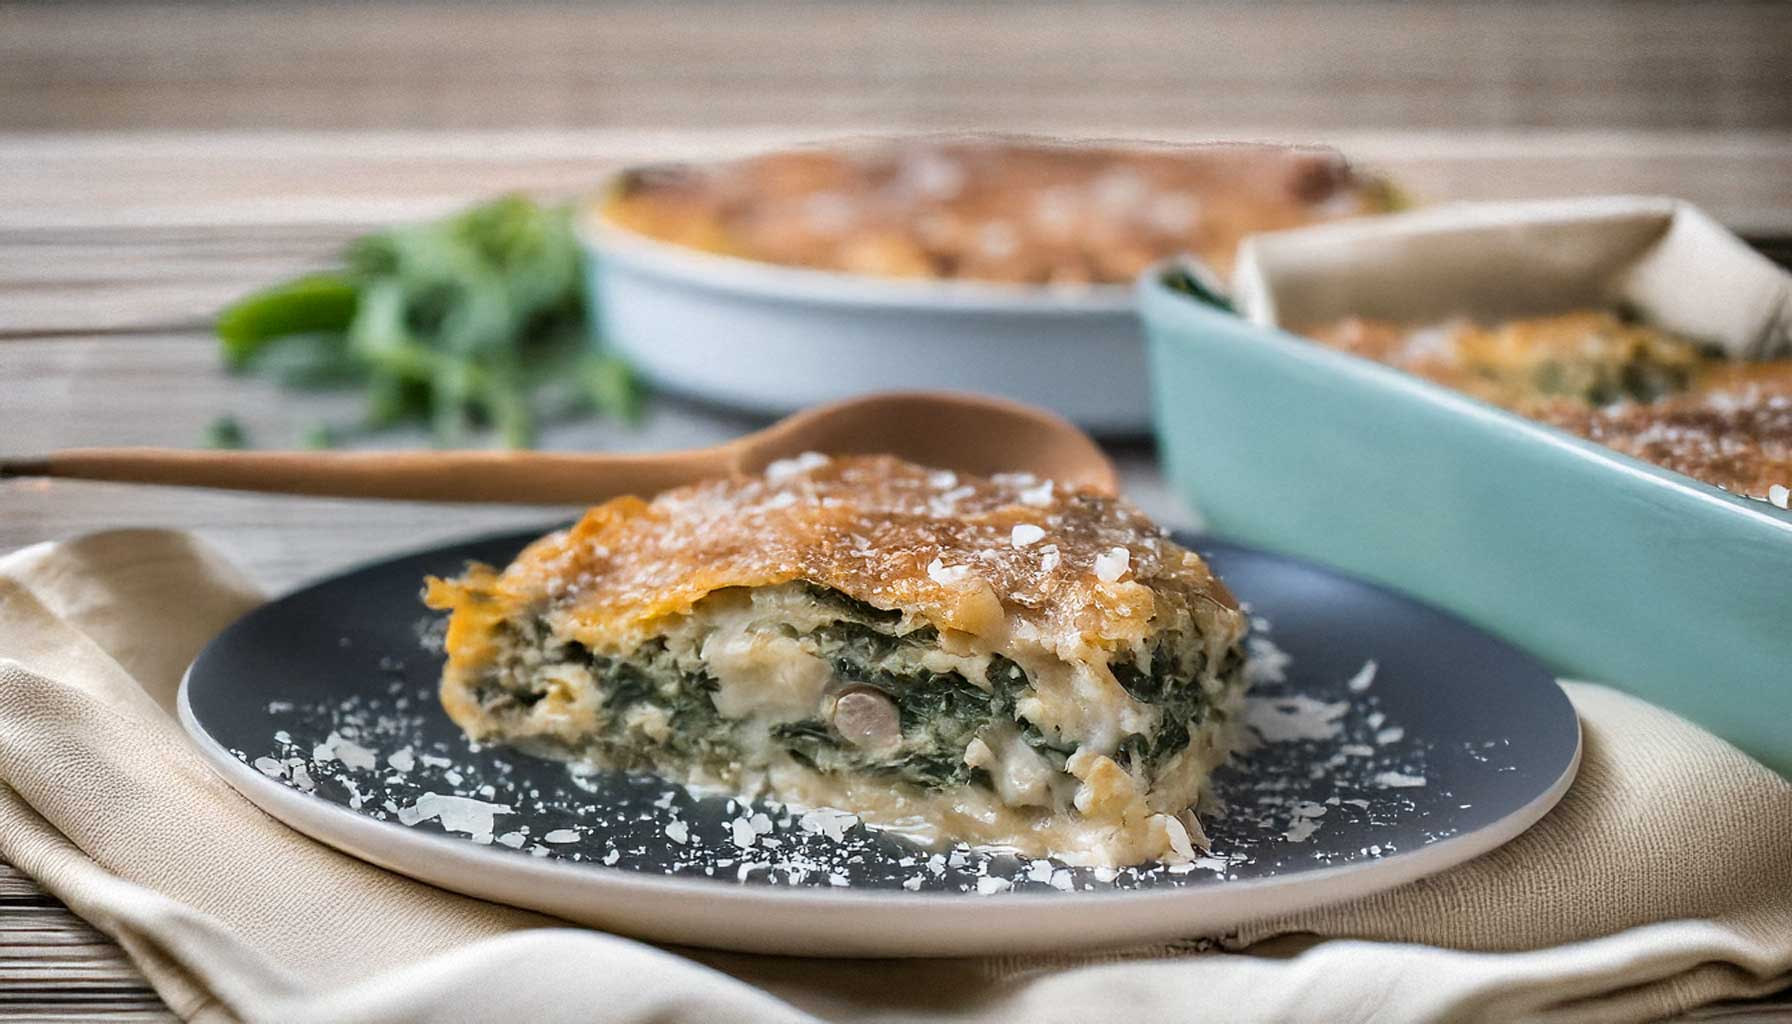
pixel 1608 568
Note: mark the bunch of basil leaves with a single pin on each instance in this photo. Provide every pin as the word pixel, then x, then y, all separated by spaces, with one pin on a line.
pixel 471 322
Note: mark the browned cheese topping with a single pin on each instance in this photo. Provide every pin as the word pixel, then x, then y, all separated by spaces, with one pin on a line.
pixel 1003 211
pixel 1628 386
pixel 979 556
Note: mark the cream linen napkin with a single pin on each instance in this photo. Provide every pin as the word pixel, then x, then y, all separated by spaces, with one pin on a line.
pixel 1663 880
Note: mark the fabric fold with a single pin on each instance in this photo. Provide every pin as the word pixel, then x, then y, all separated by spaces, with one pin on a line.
pixel 1663 880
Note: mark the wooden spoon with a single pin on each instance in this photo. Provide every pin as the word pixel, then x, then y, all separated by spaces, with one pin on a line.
pixel 968 433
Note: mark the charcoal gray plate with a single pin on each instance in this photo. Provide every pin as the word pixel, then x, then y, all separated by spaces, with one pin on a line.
pixel 1399 741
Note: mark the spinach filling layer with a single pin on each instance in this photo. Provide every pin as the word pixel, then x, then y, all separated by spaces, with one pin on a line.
pixel 939 712
pixel 657 711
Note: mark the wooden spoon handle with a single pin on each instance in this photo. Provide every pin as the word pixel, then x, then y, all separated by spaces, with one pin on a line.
pixel 528 478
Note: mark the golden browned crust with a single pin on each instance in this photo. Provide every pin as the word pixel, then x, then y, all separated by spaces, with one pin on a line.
pixel 1734 432
pixel 930 543
pixel 1728 424
pixel 1017 211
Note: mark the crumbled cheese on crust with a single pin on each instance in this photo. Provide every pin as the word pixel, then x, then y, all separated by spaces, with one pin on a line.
pixel 1112 564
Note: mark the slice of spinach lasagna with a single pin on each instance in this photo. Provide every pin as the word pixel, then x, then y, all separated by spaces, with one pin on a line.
pixel 1000 662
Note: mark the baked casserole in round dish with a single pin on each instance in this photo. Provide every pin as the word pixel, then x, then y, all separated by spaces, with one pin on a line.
pixel 994 264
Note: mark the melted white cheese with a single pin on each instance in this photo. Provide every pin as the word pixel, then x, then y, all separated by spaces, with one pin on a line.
pixel 761 672
pixel 1022 778
pixel 764 674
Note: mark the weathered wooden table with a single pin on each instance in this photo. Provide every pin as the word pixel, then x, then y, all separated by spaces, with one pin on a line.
pixel 141 187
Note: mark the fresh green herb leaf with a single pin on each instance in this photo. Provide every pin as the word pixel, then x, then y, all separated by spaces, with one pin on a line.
pixel 318 304
pixel 612 386
pixel 308 361
pixel 226 432
pixel 320 436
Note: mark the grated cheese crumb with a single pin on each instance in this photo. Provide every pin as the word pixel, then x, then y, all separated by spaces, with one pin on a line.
pixel 1112 564
pixel 1178 836
pixel 1266 663
pixel 785 470
pixel 1299 717
pixel 456 813
pixel 947 575
pixel 741 831
pixel 336 748
pixel 828 822
pixel 1364 678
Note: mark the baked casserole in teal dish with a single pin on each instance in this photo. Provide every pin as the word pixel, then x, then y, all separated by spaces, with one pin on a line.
pixel 1610 568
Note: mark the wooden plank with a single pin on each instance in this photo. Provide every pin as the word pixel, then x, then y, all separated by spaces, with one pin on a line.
pixel 215 182
pixel 53 965
pixel 1279 64
pixel 43 925
pixel 121 1009
pixel 113 278
pixel 17 889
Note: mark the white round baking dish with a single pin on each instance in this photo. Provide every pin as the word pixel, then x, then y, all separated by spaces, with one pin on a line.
pixel 773 339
